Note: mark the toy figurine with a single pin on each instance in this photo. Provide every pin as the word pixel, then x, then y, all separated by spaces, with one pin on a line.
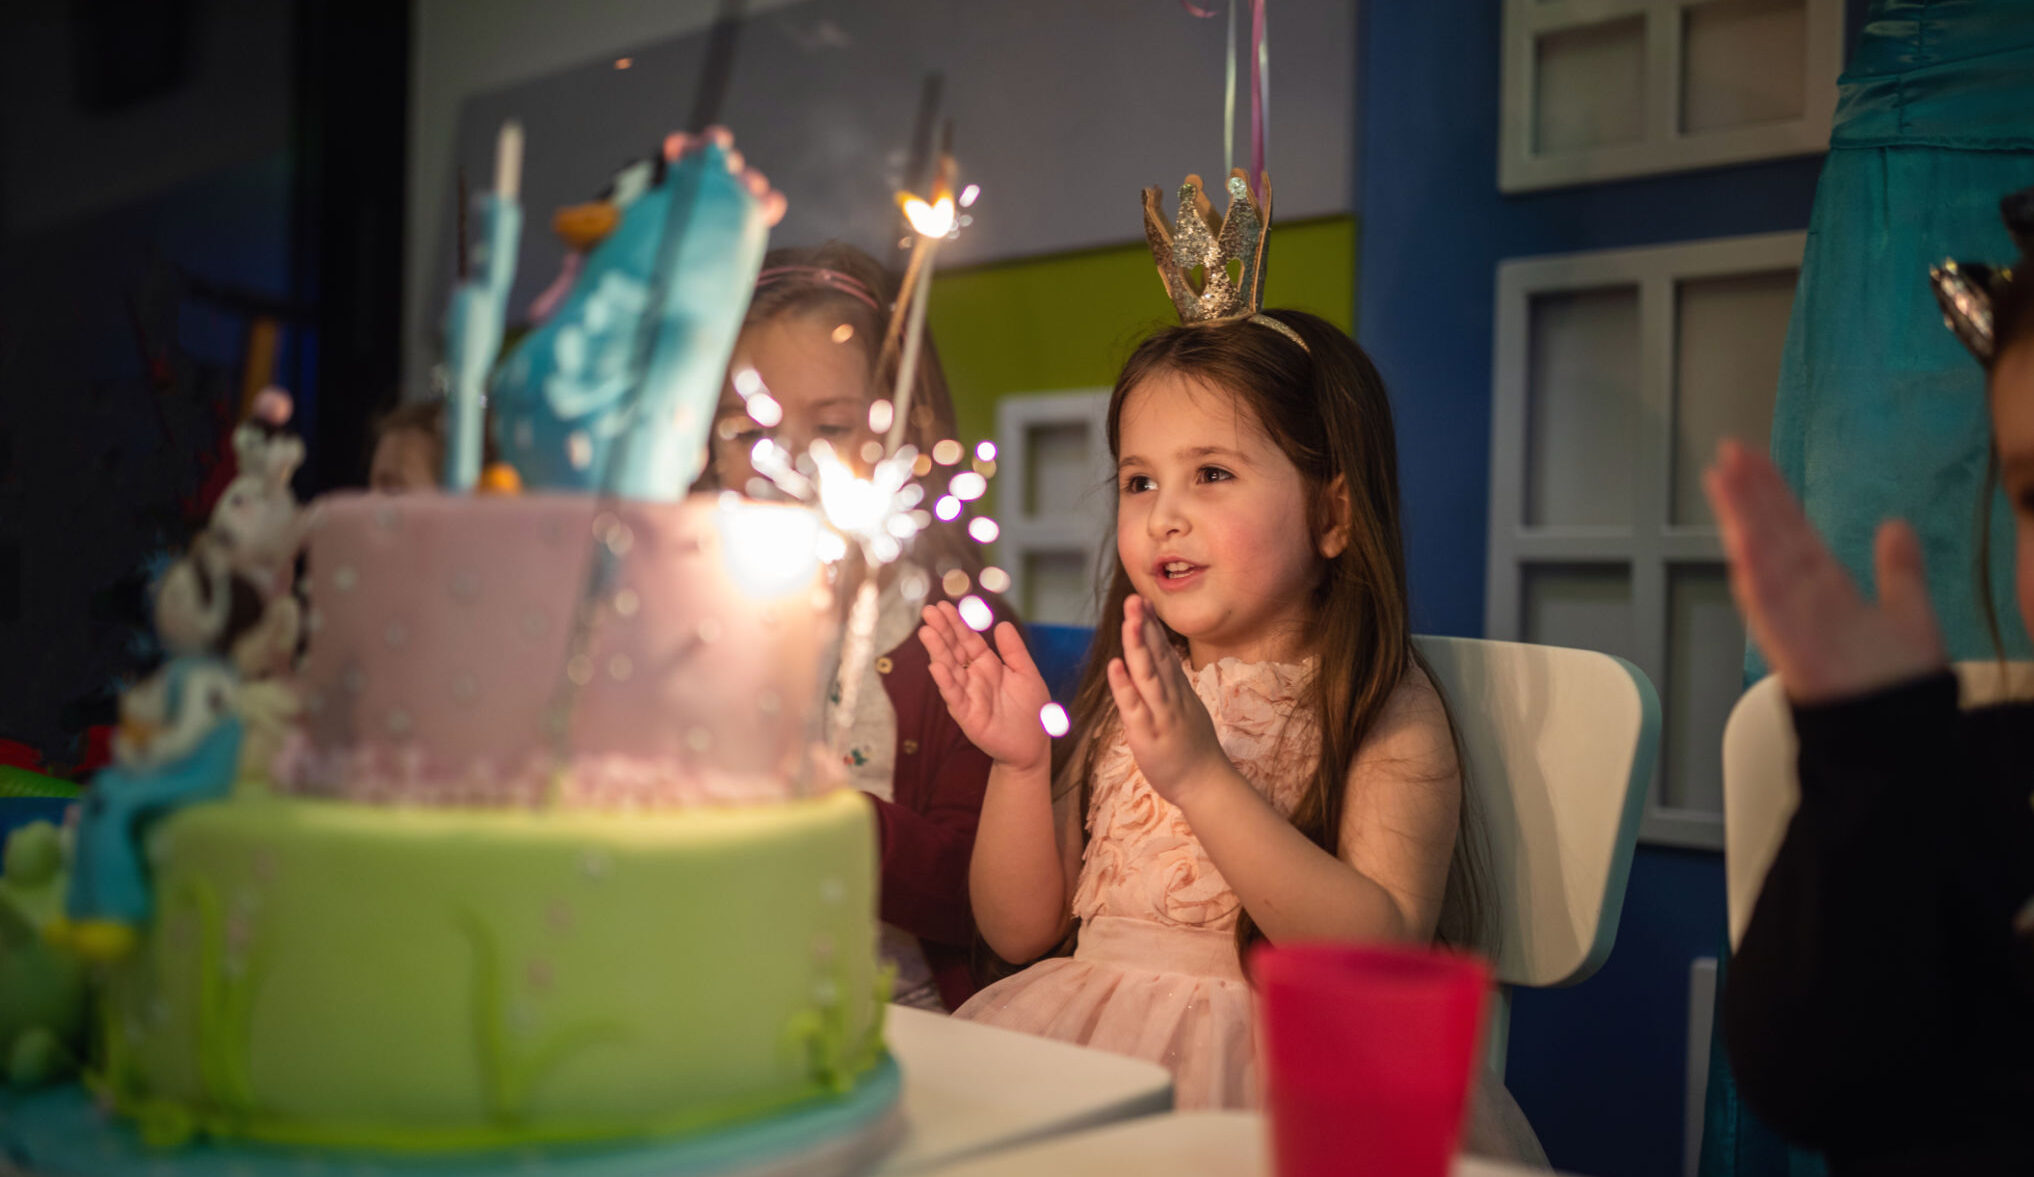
pixel 178 743
pixel 615 391
pixel 258 528
pixel 226 614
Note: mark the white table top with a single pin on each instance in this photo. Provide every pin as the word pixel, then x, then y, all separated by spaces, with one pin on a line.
pixel 969 1089
pixel 1187 1144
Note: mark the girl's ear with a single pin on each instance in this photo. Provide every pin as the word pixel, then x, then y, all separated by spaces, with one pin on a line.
pixel 1335 519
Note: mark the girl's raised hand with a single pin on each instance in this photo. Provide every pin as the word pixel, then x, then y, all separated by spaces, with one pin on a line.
pixel 1167 727
pixel 1824 640
pixel 994 695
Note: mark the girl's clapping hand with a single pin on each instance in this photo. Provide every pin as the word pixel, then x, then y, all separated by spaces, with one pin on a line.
pixel 1167 727
pixel 1824 640
pixel 994 695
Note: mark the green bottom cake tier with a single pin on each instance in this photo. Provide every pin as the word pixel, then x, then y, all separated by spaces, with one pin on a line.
pixel 419 980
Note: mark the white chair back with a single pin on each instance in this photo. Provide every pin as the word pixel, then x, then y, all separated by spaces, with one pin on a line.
pixel 1560 747
pixel 1761 785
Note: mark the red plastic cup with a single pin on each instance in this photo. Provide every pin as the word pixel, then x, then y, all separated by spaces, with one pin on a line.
pixel 1367 1056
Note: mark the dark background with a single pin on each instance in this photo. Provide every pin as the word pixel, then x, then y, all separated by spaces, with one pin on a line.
pixel 170 173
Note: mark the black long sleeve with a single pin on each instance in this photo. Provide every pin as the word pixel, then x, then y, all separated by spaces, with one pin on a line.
pixel 1880 1007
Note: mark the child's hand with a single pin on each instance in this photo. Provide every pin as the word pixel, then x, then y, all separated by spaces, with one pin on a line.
pixel 1825 641
pixel 995 700
pixel 772 201
pixel 1168 729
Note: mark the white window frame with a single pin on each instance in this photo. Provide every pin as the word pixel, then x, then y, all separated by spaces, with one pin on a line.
pixel 1664 147
pixel 1653 544
pixel 1023 533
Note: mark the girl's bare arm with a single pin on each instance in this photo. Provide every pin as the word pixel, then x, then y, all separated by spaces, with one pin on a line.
pixel 1017 880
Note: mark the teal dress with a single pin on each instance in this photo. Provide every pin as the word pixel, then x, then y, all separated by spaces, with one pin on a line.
pixel 1881 412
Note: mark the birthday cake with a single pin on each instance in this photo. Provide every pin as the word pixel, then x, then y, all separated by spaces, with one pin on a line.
pixel 531 848
pixel 435 931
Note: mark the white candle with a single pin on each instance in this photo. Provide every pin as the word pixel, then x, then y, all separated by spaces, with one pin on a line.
pixel 508 160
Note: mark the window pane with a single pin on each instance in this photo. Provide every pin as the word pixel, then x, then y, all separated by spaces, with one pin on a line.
pixel 1059 588
pixel 1590 86
pixel 1587 606
pixel 1745 64
pixel 1705 672
pixel 1729 333
pixel 1582 407
pixel 1059 481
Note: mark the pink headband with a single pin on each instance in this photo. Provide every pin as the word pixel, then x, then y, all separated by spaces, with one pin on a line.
pixel 832 279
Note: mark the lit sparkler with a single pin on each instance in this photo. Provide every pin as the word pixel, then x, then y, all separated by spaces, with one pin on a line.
pixel 933 221
pixel 882 512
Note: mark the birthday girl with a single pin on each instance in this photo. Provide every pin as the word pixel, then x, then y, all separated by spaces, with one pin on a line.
pixel 1255 748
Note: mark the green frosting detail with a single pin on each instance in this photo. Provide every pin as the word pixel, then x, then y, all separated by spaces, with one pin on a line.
pixel 116 1072
pixel 162 1123
pixel 227 983
pixel 510 1074
pixel 836 1053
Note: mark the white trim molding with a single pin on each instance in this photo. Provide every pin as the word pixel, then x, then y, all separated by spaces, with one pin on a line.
pixel 1079 527
pixel 1653 108
pixel 1652 546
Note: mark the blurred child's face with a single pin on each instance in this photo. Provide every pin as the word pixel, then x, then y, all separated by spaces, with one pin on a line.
pixel 2012 394
pixel 1211 523
pixel 404 460
pixel 819 376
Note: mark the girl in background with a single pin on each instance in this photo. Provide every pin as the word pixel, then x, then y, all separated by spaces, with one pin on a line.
pixel 1881 1005
pixel 814 334
pixel 409 448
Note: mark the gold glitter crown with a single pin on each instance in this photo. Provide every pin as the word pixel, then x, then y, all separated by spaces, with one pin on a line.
pixel 1199 245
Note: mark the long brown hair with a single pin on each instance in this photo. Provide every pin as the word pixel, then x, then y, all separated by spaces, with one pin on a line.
pixel 1326 409
pixel 801 287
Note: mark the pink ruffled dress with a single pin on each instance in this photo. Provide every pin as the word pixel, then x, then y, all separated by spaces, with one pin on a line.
pixel 1155 973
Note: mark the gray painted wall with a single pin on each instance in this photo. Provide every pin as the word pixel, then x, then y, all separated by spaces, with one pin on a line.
pixel 1063 110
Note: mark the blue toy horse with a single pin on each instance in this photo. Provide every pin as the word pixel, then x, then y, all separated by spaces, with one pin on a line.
pixel 616 390
pixel 190 754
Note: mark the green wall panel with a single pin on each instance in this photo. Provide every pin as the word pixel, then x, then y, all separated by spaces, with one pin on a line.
pixel 1068 321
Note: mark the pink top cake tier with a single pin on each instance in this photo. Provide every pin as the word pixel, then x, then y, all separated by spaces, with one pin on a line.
pixel 441 666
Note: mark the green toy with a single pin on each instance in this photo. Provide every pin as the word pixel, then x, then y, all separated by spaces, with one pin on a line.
pixel 20 782
pixel 42 990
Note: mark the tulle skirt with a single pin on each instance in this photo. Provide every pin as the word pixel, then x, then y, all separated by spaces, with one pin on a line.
pixel 1176 996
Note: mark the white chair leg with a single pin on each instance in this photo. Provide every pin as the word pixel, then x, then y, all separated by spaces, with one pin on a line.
pixel 1497 1033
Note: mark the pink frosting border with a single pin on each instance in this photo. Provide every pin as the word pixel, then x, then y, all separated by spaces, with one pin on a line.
pixel 380 775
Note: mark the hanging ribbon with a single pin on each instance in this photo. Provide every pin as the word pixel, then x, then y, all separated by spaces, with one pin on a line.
pixel 1260 93
pixel 1260 86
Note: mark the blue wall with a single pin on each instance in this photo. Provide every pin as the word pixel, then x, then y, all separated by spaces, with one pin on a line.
pixel 1434 229
pixel 1599 1068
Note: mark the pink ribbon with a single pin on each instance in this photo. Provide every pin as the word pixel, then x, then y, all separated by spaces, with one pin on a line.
pixel 1259 82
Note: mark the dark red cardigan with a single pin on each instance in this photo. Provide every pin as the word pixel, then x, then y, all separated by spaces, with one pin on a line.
pixel 927 834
